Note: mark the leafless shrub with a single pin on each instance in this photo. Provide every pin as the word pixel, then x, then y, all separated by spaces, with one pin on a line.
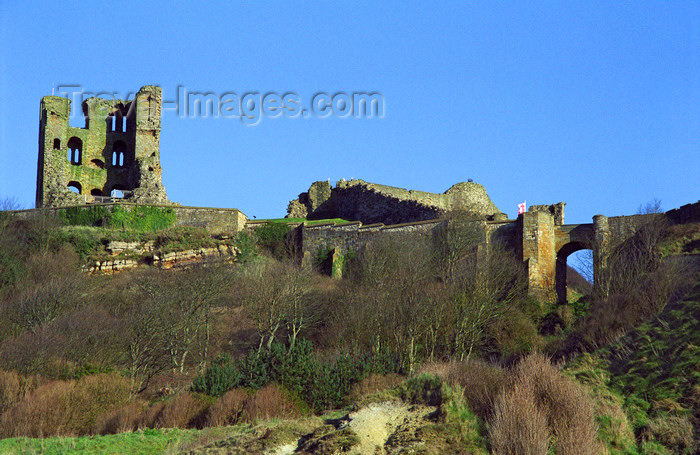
pixel 518 426
pixel 185 410
pixel 514 334
pixel 125 419
pixel 62 408
pixel 151 415
pixel 46 412
pixel 482 383
pixel 87 335
pixel 268 402
pixel 566 404
pixel 14 388
pixel 540 393
pixel 51 287
pixel 228 409
pixel 95 395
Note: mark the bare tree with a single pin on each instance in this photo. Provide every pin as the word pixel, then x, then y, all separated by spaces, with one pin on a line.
pixel 297 302
pixel 489 284
pixel 394 297
pixel 9 204
pixel 145 348
pixel 180 304
pixel 653 206
pixel 455 241
pixel 50 287
pixel 277 297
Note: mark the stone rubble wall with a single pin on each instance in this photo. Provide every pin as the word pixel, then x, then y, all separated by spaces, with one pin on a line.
pixel 357 200
pixel 354 236
pixel 688 213
pixel 215 220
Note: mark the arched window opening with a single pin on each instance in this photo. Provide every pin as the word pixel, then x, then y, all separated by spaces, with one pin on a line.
pixel 96 192
pixel 117 159
pixel 56 144
pixel 117 193
pixel 117 122
pixel 75 187
pixel 119 154
pixel 75 149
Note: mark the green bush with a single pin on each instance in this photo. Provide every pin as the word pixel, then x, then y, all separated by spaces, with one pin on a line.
pixel 425 388
pixel 321 384
pixel 273 238
pixel 246 247
pixel 85 241
pixel 221 376
pixel 142 218
pixel 180 238
pixel 11 268
pixel 84 216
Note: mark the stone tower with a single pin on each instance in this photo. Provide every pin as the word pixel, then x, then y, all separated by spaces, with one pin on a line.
pixel 115 155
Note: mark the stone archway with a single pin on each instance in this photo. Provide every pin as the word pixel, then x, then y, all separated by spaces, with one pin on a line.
pixel 561 267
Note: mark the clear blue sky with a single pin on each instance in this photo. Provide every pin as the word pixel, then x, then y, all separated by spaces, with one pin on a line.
pixel 597 105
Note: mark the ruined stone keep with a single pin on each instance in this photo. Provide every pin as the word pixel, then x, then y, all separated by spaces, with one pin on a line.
pixel 116 155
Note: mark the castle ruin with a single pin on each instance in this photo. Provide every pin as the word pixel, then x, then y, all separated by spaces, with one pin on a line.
pixel 115 156
pixel 118 152
pixel 357 200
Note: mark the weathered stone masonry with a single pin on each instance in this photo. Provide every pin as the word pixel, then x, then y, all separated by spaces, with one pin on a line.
pixel 118 149
pixel 538 236
pixel 215 220
pixel 357 200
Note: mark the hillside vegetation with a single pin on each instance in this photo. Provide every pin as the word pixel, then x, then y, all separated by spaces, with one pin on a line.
pixel 449 356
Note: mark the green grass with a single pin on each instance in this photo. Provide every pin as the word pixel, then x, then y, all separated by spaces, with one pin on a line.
pixel 652 373
pixel 138 217
pixel 140 442
pixel 660 360
pixel 304 220
pixel 246 437
pixel 683 239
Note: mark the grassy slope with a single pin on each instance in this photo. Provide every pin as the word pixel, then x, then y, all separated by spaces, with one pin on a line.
pixel 653 374
pixel 650 374
pixel 249 438
pixel 452 429
pixel 304 220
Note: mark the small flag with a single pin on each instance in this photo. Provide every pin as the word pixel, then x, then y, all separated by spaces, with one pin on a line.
pixel 521 208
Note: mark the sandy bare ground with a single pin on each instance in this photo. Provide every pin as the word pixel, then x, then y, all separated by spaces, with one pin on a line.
pixel 373 425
